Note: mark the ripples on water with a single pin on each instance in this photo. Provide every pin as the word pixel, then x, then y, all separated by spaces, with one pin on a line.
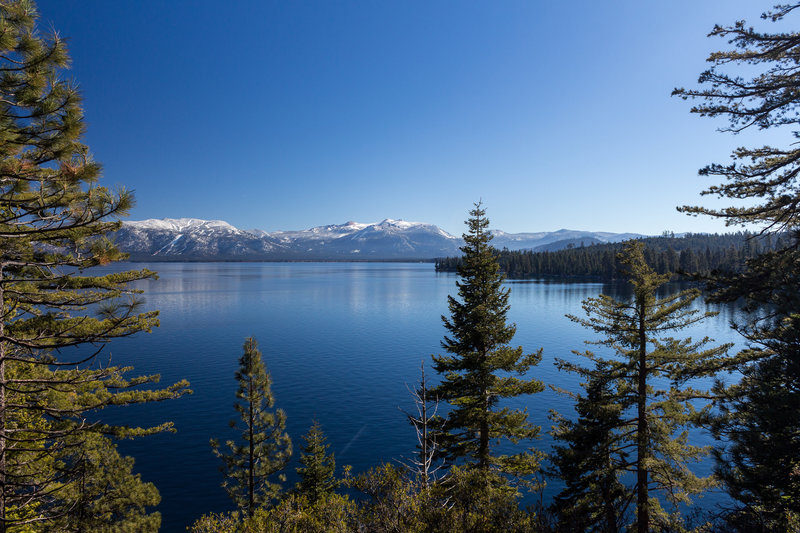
pixel 341 341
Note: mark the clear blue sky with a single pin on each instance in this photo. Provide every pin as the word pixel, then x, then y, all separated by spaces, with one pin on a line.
pixel 287 115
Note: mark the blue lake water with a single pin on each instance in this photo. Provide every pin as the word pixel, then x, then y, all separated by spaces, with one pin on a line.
pixel 341 340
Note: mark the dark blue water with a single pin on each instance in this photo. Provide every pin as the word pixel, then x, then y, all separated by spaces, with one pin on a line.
pixel 341 341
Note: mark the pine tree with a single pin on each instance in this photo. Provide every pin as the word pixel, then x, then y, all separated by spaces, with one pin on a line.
pixel 592 455
pixel 753 85
pixel 767 100
pixel 55 317
pixel 652 430
pixel 317 466
pixel 107 497
pixel 760 419
pixel 476 373
pixel 264 447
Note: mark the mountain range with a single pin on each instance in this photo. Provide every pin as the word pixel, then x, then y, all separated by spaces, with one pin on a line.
pixel 191 239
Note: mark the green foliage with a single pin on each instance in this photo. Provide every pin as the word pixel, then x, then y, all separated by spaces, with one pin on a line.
pixel 107 497
pixel 217 523
pixel 592 456
pixel 648 434
pixel 463 501
pixel 760 421
pixel 316 466
pixel 264 448
pixel 767 99
pixel 331 513
pixel 393 501
pixel 479 370
pixel 54 218
pixel 754 85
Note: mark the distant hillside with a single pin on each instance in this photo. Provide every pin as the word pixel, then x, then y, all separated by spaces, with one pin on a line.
pixel 568 243
pixel 534 241
pixel 191 239
pixel 691 253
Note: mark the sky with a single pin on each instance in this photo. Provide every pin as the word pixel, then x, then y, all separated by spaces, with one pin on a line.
pixel 287 115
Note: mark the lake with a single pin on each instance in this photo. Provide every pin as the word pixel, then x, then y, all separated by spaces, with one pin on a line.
pixel 342 342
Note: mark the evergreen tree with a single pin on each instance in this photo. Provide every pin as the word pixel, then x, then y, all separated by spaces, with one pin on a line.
pixel 767 100
pixel 55 317
pixel 317 466
pixel 592 455
pixel 477 371
pixel 107 497
pixel 753 85
pixel 760 419
pixel 264 448
pixel 653 427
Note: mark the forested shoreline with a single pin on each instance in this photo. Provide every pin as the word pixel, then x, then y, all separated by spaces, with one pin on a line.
pixel 683 256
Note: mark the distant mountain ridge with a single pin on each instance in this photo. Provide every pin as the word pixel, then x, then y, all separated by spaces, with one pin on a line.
pixel 192 239
pixel 531 241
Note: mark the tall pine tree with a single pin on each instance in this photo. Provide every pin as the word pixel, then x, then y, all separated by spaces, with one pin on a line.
pixel 55 316
pixel 649 439
pixel 478 372
pixel 753 85
pixel 264 447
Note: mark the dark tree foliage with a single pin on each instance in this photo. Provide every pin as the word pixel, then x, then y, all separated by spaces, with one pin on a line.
pixel 754 84
pixel 648 436
pixel 590 456
pixel 55 317
pixel 761 420
pixel 478 371
pixel 263 448
pixel 107 497
pixel 690 254
pixel 317 466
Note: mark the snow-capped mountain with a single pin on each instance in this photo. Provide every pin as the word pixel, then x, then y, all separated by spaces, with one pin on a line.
pixel 397 238
pixel 191 238
pixel 194 239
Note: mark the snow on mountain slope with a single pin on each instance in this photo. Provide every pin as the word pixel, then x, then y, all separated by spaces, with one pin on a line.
pixel 191 238
pixel 398 238
pixel 180 224
pixel 319 233
pixel 196 239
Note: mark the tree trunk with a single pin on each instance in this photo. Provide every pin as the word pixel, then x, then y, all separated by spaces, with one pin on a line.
pixel 483 450
pixel 642 511
pixel 608 503
pixel 2 407
pixel 424 451
pixel 251 464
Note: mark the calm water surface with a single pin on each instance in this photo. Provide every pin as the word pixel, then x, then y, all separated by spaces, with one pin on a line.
pixel 341 340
